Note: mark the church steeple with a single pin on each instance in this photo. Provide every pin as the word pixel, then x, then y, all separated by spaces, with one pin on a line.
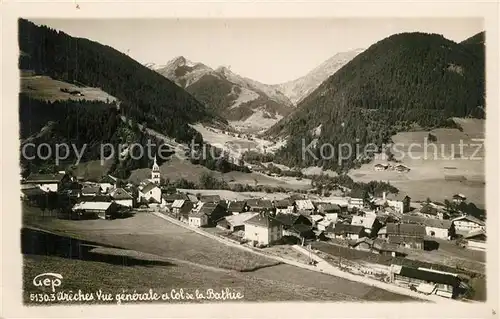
pixel 155 173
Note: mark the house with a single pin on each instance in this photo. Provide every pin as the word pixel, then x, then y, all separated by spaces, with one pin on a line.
pixel 476 239
pixel 192 198
pixel 425 280
pixel 236 207
pixel 432 211
pixel 48 182
pixel 122 197
pixel 33 195
pixel 262 230
pixel 259 205
pixel 285 206
pixel 369 223
pixel 438 228
pixel 364 244
pixel 381 167
pixel 91 190
pixel 467 223
pixel 214 211
pixel 235 222
pixel 214 199
pixel 356 202
pixel 406 204
pixel 106 183
pixel 406 235
pixel 328 208
pixel 315 219
pixel 296 225
pixel 170 198
pixel 197 219
pixel 151 193
pixel 402 168
pixel 103 210
pixel 181 208
pixel 324 224
pixel 382 247
pixel 304 206
pixel 345 231
pixel 382 233
pixel 459 198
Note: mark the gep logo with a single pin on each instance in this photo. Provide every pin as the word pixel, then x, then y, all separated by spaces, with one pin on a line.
pixel 48 279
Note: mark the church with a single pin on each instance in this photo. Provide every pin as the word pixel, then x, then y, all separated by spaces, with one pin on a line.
pixel 155 173
pixel 149 189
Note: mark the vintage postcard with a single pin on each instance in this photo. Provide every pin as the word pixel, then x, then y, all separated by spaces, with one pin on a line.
pixel 249 162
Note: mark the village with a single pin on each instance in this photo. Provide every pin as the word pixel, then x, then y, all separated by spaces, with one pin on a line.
pixel 393 241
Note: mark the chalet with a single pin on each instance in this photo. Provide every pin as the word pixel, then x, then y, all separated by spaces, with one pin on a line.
pixel 467 223
pixel 181 208
pixel 345 231
pixel 235 222
pixel 431 211
pixel 214 199
pixel 356 202
pixel 122 197
pixel 295 225
pixel 381 167
pixel 91 190
pixel 369 223
pixel 150 193
pixel 262 230
pixel 425 280
pixel 315 219
pixel 214 212
pixel 103 210
pixel 48 182
pixel 285 206
pixel 476 239
pixel 259 205
pixel 170 198
pixel 198 219
pixel 406 235
pixel 384 248
pixel 382 233
pixel 438 228
pixel 459 198
pixel 324 224
pixel 33 195
pixel 304 206
pixel 364 244
pixel 236 207
pixel 328 208
pixel 107 183
pixel 192 198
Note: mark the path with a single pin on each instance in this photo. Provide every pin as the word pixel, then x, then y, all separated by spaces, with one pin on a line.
pixel 322 266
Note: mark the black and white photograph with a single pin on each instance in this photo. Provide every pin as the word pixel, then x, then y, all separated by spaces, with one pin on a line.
pixel 190 161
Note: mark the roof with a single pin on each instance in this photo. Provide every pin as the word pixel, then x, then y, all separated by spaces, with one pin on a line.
pixel 325 222
pixel 210 198
pixel 178 203
pixel 475 233
pixel 316 218
pixel 92 206
pixel 237 220
pixel 35 191
pixel 107 179
pixel 120 193
pixel 196 214
pixel 45 178
pixel 459 196
pixel 96 198
pixel 346 229
pixel 284 203
pixel 290 219
pixel 471 219
pixel 175 196
pixel 91 189
pixel 262 220
pixel 236 206
pixel 365 221
pixel 428 222
pixel 427 275
pixel 304 204
pixel 382 245
pixel 208 208
pixel 192 198
pixel 405 230
pixel 328 207
pixel 259 203
pixel 149 187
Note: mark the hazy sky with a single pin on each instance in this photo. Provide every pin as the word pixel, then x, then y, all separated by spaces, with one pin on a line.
pixel 270 51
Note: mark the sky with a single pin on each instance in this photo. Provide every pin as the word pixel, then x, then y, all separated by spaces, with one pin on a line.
pixel 270 51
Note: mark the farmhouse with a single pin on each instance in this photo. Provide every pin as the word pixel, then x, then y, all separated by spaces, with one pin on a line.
pixel 476 239
pixel 426 280
pixel 430 210
pixel 295 225
pixel 151 193
pixel 262 229
pixel 235 222
pixel 198 219
pixel 324 224
pixel 345 231
pixel 103 210
pixel 467 223
pixel 406 235
pixel 170 198
pixel 213 211
pixel 438 228
pixel 91 190
pixel 356 202
pixel 459 198
pixel 181 208
pixel 236 207
pixel 382 247
pixel 48 182
pixel 106 183
pixel 328 208
pixel 285 206
pixel 259 205
pixel 304 206
pixel 369 223
pixel 121 197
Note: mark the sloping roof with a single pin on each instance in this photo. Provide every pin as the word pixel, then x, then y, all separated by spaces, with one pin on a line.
pixel 332 217
pixel 44 178
pixel 149 187
pixel 259 203
pixel 210 198
pixel 304 204
pixel 96 198
pixel 428 222
pixel 284 203
pixel 178 203
pixel 262 220
pixel 365 221
pixel 405 230
pixel 91 189
pixel 92 206
pixel 208 208
pixel 197 214
pixel 325 207
pixel 192 198
pixel 236 206
pixel 340 229
pixel 290 219
pixel 430 276
pixel 238 220
pixel 175 196
pixel 325 223
pixel 34 191
pixel 316 218
pixel 471 219
pixel 107 179
pixel 120 193
pixel 382 245
pixel 475 233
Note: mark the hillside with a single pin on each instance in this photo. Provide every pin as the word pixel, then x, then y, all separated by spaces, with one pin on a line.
pixel 145 96
pixel 298 89
pixel 405 81
pixel 236 98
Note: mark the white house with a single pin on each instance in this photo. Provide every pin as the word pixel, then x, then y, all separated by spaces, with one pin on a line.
pixel 198 219
pixel 91 190
pixel 262 229
pixel 150 193
pixel 121 197
pixel 284 206
pixel 48 182
pixel 468 223
pixel 366 221
pixel 304 206
pixel 356 202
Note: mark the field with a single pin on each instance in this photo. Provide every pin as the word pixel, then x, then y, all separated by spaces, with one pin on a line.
pixel 435 171
pixel 185 259
pixel 45 88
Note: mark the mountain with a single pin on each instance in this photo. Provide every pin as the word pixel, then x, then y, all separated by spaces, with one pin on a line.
pixel 145 96
pixel 476 43
pixel 404 81
pixel 298 89
pixel 234 97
